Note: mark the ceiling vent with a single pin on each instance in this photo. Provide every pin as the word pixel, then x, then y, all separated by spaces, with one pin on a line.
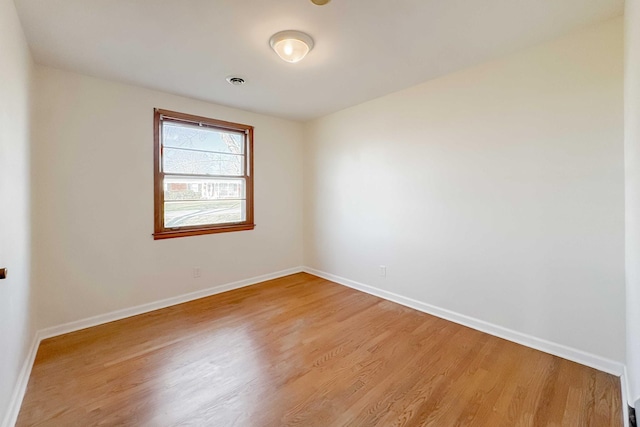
pixel 236 81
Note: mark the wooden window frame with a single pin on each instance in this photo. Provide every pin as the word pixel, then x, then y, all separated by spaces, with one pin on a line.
pixel 160 232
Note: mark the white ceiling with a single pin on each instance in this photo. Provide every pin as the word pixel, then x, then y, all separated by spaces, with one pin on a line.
pixel 364 48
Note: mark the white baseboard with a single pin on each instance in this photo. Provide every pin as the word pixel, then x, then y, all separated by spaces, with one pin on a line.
pixel 23 379
pixel 20 388
pixel 624 390
pixel 145 308
pixel 597 362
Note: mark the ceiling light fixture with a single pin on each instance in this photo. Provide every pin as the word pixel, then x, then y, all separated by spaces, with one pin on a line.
pixel 291 45
pixel 320 2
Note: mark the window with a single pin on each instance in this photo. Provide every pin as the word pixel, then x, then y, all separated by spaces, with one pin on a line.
pixel 203 171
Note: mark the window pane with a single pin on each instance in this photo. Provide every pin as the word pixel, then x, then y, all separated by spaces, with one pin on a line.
pixel 183 214
pixel 187 188
pixel 194 137
pixel 177 160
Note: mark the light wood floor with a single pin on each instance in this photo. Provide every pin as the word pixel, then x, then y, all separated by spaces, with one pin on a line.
pixel 302 351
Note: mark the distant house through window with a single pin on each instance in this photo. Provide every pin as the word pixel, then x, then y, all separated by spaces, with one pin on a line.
pixel 203 171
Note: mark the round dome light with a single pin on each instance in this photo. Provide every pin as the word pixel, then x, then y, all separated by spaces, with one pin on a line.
pixel 291 46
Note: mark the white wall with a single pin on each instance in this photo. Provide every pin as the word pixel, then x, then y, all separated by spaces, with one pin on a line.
pixel 632 170
pixel 16 329
pixel 495 192
pixel 93 153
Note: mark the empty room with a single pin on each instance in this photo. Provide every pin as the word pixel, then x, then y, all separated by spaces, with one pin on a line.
pixel 319 213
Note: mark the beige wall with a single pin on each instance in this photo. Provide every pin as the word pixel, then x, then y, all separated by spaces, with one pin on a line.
pixel 632 170
pixel 16 329
pixel 93 190
pixel 495 192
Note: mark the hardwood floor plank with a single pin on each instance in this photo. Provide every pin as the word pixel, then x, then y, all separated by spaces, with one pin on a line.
pixel 303 351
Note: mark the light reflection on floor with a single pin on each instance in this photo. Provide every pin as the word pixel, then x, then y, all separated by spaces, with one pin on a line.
pixel 231 377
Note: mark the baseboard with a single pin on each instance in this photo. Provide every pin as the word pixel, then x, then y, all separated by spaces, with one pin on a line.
pixel 20 388
pixel 23 378
pixel 627 388
pixel 575 355
pixel 624 391
pixel 145 308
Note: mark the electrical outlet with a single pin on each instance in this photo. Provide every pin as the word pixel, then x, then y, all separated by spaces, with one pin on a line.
pixel 383 271
pixel 196 272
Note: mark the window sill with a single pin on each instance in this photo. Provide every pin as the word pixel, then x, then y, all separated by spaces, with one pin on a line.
pixel 171 234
